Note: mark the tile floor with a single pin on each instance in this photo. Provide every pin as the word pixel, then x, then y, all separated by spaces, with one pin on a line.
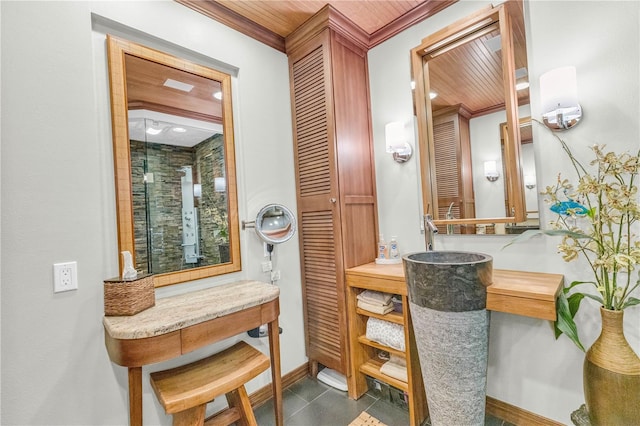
pixel 312 403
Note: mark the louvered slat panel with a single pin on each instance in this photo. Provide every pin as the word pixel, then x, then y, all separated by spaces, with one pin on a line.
pixel 312 141
pixel 318 251
pixel 445 147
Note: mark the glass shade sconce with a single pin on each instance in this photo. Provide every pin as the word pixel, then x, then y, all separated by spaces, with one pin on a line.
pixel 220 184
pixel 529 181
pixel 559 98
pixel 396 142
pixel 491 170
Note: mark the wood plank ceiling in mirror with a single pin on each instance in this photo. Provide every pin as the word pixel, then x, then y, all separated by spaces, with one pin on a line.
pixel 472 77
pixel 146 89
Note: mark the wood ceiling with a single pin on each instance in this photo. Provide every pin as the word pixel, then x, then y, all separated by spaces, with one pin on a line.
pixel 470 75
pixel 272 21
pixel 453 79
pixel 146 90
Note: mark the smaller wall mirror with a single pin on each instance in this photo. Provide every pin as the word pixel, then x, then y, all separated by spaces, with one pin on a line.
pixel 532 218
pixel 174 161
pixel 466 76
pixel 275 224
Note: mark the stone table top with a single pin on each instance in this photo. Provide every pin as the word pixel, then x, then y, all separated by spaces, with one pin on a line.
pixel 177 312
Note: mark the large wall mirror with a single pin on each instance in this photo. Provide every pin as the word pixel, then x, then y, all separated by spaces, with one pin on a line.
pixel 174 164
pixel 470 91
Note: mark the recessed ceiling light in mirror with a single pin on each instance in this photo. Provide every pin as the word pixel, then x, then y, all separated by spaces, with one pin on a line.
pixel 178 85
pixel 217 95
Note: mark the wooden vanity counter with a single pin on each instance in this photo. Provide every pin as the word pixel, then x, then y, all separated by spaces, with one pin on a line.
pixel 180 324
pixel 531 294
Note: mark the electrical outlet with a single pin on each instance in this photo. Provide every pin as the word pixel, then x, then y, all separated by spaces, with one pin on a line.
pixel 275 275
pixel 267 266
pixel 65 276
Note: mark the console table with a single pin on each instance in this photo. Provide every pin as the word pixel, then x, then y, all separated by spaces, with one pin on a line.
pixel 180 324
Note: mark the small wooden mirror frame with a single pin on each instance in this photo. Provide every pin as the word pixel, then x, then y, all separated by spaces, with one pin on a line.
pixel 451 34
pixel 116 50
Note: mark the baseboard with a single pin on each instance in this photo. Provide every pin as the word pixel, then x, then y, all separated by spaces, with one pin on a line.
pixel 265 393
pixel 516 415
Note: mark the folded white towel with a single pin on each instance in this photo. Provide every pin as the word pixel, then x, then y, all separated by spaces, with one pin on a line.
pixel 386 333
pixel 375 308
pixel 394 370
pixel 375 297
pixel 398 360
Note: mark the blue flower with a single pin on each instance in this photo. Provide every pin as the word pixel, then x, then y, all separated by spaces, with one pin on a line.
pixel 567 208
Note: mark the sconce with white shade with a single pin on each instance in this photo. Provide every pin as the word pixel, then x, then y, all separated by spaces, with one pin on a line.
pixel 219 184
pixel 396 142
pixel 530 181
pixel 491 170
pixel 559 98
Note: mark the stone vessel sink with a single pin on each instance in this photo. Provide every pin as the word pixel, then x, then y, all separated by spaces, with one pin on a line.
pixel 453 281
pixel 448 299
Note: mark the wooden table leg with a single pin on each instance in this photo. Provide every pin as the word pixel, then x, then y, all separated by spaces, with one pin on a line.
pixel 135 396
pixel 276 375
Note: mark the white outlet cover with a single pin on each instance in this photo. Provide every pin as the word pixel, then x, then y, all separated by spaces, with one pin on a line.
pixel 65 276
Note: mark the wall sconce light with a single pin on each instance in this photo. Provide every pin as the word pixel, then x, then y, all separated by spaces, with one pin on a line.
pixel 530 181
pixel 396 142
pixel 559 97
pixel 197 190
pixel 491 171
pixel 219 184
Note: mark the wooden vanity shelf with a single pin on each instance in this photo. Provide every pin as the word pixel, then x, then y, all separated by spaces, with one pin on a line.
pixel 364 360
pixel 522 293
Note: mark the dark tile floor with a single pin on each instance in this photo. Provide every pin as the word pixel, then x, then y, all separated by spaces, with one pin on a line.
pixel 312 403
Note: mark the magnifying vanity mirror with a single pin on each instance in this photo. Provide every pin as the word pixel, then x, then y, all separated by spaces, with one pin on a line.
pixel 174 164
pixel 274 224
pixel 470 78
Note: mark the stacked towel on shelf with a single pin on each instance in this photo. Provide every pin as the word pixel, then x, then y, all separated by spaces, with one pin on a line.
pixel 396 367
pixel 386 333
pixel 375 301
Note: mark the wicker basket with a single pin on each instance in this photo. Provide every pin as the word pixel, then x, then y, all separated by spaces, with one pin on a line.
pixel 128 297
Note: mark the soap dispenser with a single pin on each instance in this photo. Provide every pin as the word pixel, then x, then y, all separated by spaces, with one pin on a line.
pixel 394 253
pixel 383 248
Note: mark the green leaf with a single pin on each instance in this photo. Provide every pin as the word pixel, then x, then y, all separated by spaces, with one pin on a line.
pixel 526 235
pixel 566 232
pixel 564 322
pixel 574 303
pixel 575 283
pixel 596 298
pixel 631 301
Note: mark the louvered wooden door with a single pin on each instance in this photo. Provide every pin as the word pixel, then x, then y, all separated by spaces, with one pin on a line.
pixel 453 165
pixel 318 206
pixel 336 183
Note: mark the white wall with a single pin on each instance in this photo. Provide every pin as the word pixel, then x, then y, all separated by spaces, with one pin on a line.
pixel 527 367
pixel 59 204
pixel 486 146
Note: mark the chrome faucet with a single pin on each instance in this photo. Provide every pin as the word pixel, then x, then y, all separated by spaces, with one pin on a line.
pixel 430 229
pixel 450 216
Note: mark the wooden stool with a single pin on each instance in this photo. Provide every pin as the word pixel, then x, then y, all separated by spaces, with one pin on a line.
pixel 185 391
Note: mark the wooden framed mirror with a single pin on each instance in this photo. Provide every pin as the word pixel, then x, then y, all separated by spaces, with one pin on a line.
pixel 174 161
pixel 465 83
pixel 532 218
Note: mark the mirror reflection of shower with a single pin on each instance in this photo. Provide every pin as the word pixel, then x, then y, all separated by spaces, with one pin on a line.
pixel 179 205
pixel 190 226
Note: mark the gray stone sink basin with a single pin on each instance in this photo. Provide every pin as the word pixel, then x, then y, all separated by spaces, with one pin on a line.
pixel 453 281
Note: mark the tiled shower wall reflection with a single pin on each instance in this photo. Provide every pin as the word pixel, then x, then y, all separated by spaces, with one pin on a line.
pixel 157 205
